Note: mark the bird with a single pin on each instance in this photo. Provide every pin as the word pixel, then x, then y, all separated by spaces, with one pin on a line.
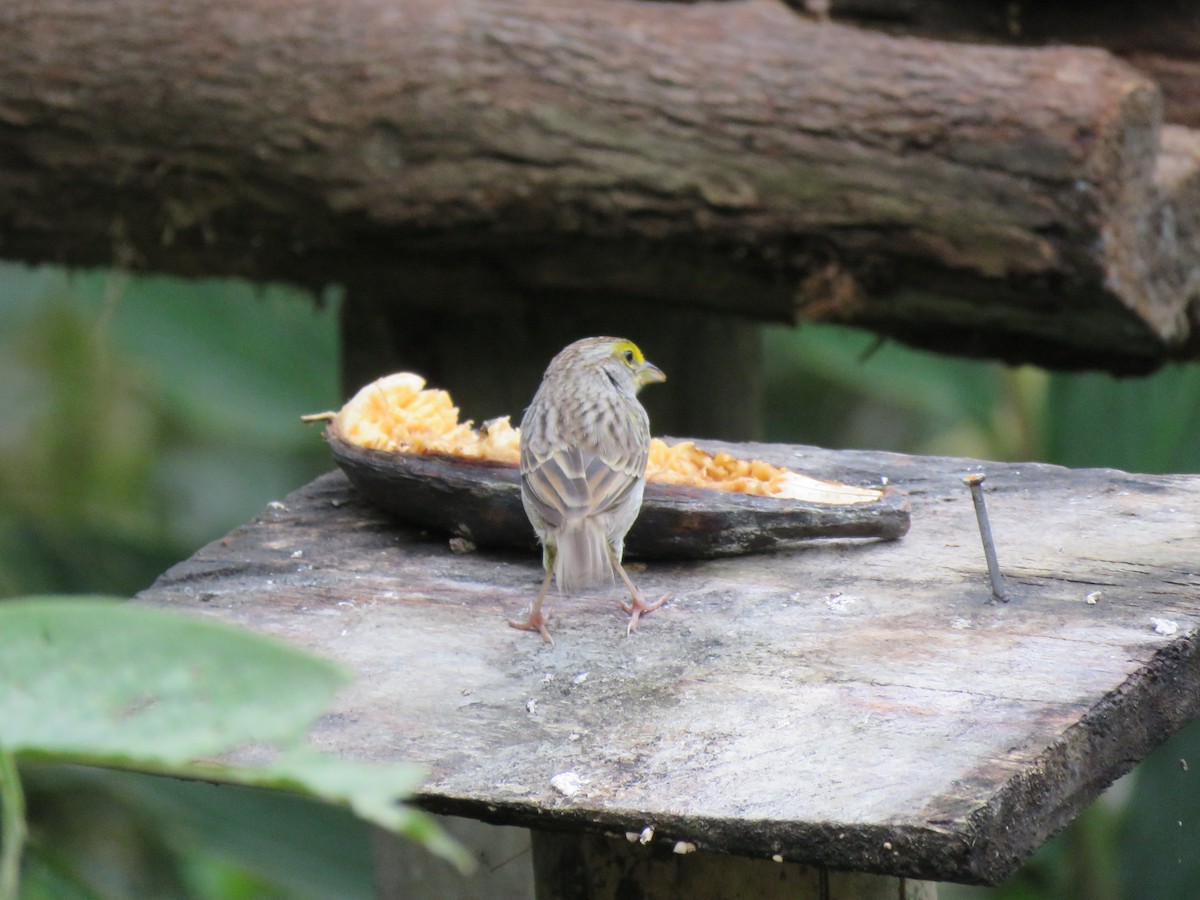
pixel 584 442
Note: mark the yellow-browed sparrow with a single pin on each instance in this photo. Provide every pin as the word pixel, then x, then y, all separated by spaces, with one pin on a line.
pixel 584 443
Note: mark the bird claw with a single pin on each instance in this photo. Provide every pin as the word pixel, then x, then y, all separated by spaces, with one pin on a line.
pixel 534 622
pixel 636 608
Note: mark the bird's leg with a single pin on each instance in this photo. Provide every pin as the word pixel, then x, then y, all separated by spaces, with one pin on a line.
pixel 536 621
pixel 638 604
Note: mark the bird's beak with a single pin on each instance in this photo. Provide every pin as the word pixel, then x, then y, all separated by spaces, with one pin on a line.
pixel 649 373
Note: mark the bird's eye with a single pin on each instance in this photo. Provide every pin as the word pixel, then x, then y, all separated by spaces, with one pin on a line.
pixel 628 354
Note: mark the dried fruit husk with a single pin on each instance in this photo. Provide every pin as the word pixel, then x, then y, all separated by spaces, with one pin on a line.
pixel 480 500
pixel 403 447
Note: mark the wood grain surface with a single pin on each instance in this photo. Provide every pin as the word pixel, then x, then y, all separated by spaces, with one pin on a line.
pixel 863 706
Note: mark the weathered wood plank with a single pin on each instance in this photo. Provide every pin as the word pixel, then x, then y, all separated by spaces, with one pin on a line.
pixel 859 706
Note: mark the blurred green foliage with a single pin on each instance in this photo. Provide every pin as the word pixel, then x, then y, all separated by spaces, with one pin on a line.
pixel 139 419
pixel 143 417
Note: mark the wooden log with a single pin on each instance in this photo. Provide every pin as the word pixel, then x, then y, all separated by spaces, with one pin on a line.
pixel 1160 38
pixel 734 158
pixel 863 708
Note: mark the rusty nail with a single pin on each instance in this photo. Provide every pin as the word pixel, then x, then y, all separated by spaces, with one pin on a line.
pixel 975 483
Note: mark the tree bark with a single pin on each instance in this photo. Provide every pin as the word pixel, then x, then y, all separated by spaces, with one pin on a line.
pixel 549 157
pixel 1161 38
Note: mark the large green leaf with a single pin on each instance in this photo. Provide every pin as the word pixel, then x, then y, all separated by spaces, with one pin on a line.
pixel 369 791
pixel 305 848
pixel 102 680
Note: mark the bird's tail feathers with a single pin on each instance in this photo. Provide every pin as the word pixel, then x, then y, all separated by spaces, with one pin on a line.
pixel 582 559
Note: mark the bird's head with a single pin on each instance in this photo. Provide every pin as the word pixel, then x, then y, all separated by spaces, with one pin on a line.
pixel 618 359
pixel 630 357
pixel 621 360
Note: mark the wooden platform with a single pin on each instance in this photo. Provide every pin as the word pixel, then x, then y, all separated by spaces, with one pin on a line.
pixel 859 705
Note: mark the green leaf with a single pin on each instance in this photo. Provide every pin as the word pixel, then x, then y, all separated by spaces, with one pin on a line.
pixel 101 681
pixel 369 791
pixel 220 840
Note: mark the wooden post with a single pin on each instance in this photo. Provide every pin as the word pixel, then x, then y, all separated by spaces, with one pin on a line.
pixel 595 867
pixel 491 359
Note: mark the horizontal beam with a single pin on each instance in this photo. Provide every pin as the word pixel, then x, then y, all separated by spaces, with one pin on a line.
pixel 527 155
